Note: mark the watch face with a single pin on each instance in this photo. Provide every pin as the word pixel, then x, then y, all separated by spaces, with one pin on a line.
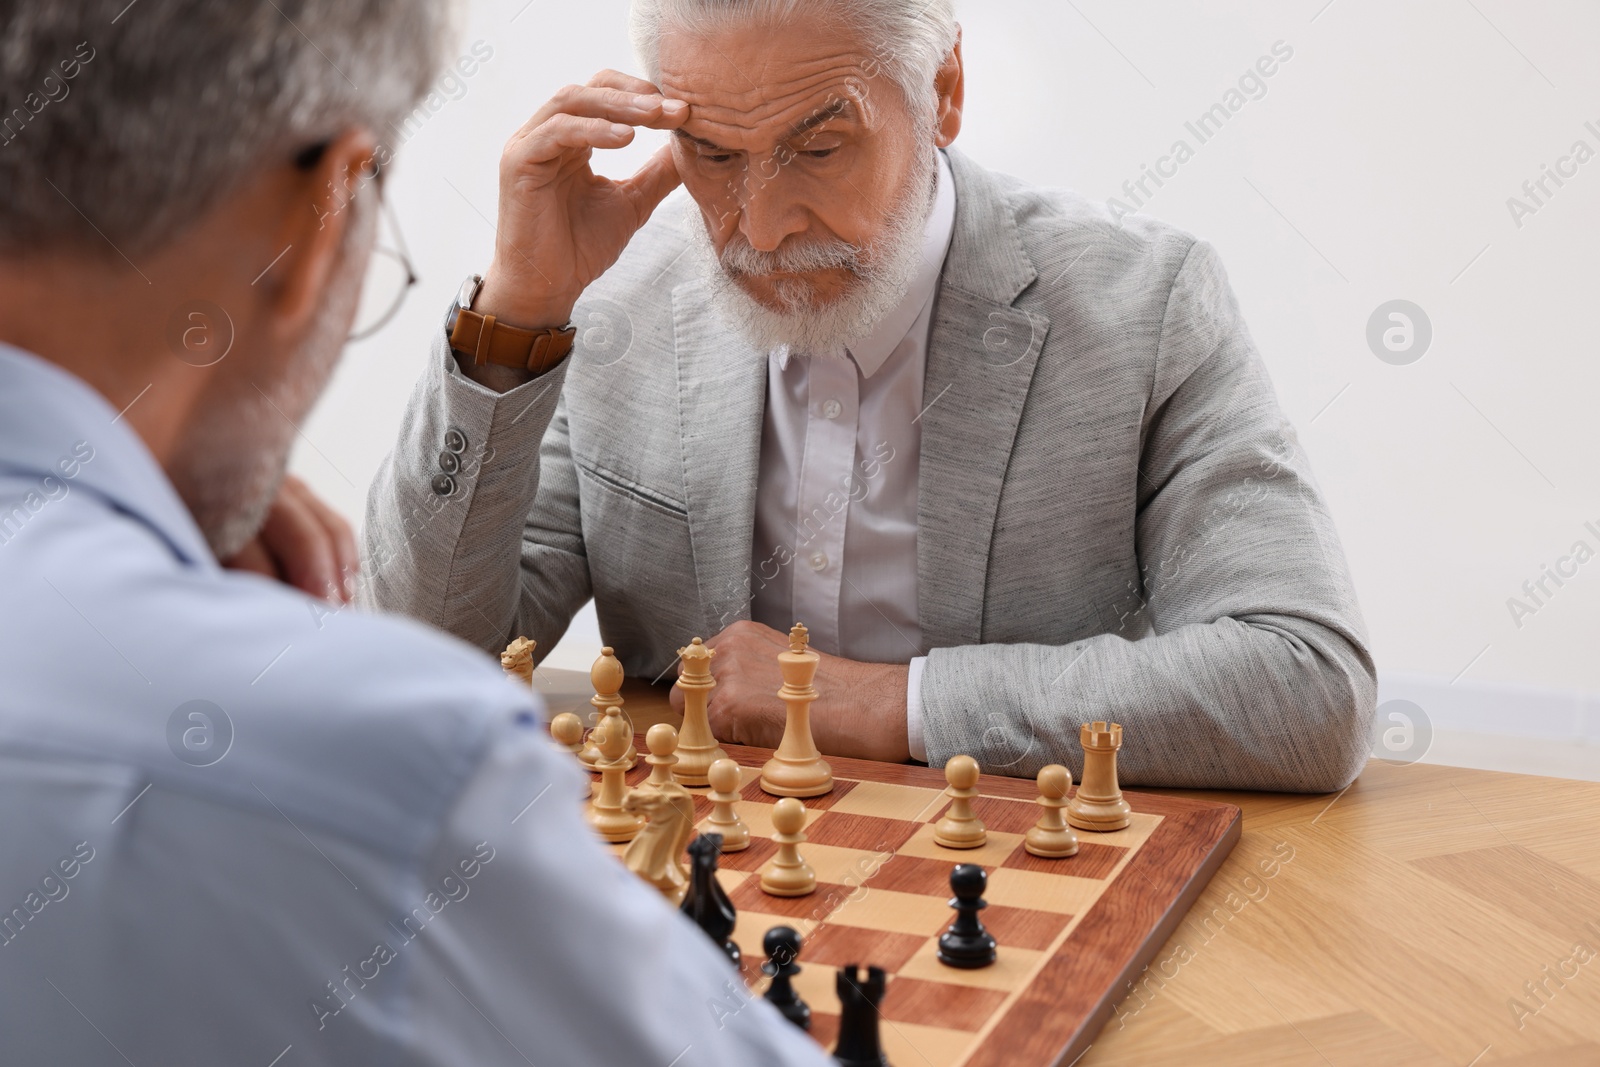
pixel 464 298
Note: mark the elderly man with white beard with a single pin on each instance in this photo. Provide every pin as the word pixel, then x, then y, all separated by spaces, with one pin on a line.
pixel 1016 464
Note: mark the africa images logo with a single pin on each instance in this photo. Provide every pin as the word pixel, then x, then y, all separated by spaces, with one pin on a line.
pixel 199 733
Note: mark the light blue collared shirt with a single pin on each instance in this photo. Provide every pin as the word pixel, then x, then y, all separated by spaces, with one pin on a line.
pixel 243 826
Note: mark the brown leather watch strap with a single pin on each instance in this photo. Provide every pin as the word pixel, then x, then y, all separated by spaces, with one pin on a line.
pixel 487 340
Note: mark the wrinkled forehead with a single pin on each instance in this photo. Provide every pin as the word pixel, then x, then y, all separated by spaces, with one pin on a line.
pixel 754 86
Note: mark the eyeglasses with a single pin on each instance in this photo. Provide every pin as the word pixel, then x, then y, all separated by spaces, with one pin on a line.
pixel 390 275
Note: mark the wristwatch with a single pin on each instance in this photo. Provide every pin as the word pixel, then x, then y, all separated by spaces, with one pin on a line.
pixel 484 339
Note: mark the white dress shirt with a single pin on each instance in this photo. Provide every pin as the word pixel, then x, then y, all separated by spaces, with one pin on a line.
pixel 245 827
pixel 835 541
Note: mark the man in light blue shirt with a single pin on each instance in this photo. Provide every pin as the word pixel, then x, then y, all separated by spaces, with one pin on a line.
pixel 244 825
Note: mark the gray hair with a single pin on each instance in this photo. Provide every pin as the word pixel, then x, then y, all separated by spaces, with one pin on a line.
pixel 909 39
pixel 131 119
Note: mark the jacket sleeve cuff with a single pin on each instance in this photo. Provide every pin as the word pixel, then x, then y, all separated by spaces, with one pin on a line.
pixel 914 740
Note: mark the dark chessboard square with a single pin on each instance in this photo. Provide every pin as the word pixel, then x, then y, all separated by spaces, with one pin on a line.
pixel 824 1028
pixel 999 814
pixel 1092 860
pixel 913 874
pixel 953 1007
pixel 864 832
pixel 753 791
pixel 1023 927
pixel 753 858
pixel 834 945
pixel 816 906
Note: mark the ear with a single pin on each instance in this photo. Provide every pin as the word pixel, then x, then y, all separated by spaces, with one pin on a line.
pixel 951 86
pixel 320 210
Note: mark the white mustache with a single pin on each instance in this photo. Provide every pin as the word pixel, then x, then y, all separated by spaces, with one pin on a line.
pixel 740 259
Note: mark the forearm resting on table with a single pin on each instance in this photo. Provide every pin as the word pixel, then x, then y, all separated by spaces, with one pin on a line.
pixel 1264 702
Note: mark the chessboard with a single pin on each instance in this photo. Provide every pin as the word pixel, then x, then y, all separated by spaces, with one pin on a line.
pixel 1073 933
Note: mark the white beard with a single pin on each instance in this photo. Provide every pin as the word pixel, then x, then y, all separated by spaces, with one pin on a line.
pixel 883 273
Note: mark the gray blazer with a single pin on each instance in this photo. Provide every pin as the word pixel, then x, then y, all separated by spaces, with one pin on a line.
pixel 1115 521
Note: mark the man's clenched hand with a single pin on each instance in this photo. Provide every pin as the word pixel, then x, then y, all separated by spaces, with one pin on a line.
pixel 303 543
pixel 860 710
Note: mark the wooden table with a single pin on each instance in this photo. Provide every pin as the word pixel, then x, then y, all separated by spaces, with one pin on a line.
pixel 1401 923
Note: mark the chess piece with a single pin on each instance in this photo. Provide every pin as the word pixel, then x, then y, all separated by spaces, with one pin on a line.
pixel 797 769
pixel 967 944
pixel 782 946
pixel 960 828
pixel 611 722
pixel 1050 837
pixel 661 739
pixel 606 812
pixel 1098 804
pixel 517 660
pixel 567 729
pixel 788 875
pixel 697 749
pixel 606 677
pixel 860 1044
pixel 706 902
pixel 654 855
pixel 724 818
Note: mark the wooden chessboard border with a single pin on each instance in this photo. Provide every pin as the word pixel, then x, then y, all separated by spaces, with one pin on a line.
pixel 1058 1015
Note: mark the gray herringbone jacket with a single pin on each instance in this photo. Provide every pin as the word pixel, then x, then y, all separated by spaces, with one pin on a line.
pixel 1115 521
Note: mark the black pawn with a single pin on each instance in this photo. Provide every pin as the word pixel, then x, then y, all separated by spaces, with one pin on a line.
pixel 782 946
pixel 706 902
pixel 967 944
pixel 859 1042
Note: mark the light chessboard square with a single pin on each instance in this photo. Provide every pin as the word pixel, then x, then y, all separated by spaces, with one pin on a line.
pixel 1059 893
pixel 887 801
pixel 992 853
pixel 1010 970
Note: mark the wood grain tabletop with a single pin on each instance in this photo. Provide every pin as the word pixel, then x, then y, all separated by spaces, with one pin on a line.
pixel 1426 915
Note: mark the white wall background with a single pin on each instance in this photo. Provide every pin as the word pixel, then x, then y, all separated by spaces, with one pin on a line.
pixel 1377 166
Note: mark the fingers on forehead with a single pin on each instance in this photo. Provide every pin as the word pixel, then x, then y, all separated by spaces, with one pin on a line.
pixel 611 79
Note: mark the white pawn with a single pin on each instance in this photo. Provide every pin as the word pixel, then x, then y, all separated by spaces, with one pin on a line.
pixel 662 741
pixel 1050 837
pixel 606 812
pixel 567 729
pixel 724 820
pixel 960 828
pixel 789 875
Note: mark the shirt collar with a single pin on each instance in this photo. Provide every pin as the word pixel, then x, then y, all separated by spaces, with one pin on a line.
pixel 872 352
pixel 45 413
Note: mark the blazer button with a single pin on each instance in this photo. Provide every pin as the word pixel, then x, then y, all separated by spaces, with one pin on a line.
pixel 455 441
pixel 443 484
pixel 449 462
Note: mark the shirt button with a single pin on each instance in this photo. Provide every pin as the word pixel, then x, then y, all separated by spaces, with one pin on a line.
pixel 449 462
pixel 443 484
pixel 831 409
pixel 455 441
pixel 819 561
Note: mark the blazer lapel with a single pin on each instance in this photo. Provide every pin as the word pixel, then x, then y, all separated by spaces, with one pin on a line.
pixel 722 386
pixel 981 356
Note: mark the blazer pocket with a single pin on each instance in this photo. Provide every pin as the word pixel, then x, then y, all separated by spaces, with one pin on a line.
pixel 633 492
